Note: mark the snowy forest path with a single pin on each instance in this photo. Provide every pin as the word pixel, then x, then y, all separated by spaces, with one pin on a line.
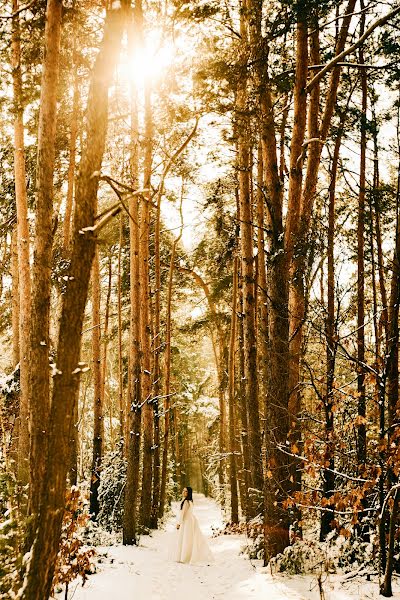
pixel 146 573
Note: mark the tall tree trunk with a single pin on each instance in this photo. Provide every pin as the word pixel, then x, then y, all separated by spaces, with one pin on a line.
pixel 386 587
pixel 134 408
pixel 277 398
pixel 301 199
pixel 134 415
pixel 378 232
pixel 157 386
pixel 15 311
pixel 39 373
pixel 262 312
pixel 361 408
pixel 249 317
pixel 98 408
pixel 231 400
pixel 146 380
pixel 244 443
pixel 122 415
pixel 167 368
pixel 331 347
pixel 296 296
pixel 105 339
pixel 23 244
pixel 72 146
pixel 38 581
pixel 73 471
pixel 392 351
pixel 277 401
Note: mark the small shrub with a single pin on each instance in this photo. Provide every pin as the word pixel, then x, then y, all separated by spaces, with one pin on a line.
pixel 337 553
pixel 303 557
pixel 111 490
pixel 11 534
pixel 74 558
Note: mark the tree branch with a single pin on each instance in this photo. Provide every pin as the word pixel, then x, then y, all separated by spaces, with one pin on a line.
pixel 334 62
pixel 17 12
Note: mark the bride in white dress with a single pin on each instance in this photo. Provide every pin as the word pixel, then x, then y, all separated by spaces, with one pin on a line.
pixel 191 546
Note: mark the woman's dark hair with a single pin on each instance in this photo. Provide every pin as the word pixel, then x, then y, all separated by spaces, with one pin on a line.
pixel 188 497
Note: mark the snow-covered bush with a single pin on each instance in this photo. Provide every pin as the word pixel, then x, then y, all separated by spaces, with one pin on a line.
pixel 11 534
pixel 96 535
pixel 10 384
pixel 303 557
pixel 352 552
pixel 111 490
pixel 9 396
pixel 337 553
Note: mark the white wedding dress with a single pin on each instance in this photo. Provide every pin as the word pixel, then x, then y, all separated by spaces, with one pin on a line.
pixel 190 545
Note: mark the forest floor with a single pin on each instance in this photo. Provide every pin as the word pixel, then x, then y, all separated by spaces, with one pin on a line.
pixel 146 573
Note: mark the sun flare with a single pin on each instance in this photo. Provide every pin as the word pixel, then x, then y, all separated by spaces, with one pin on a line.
pixel 148 63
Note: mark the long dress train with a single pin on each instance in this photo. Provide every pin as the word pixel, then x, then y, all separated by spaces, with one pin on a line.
pixel 191 546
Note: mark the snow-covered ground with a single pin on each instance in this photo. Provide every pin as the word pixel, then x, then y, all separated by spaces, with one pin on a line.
pixel 145 572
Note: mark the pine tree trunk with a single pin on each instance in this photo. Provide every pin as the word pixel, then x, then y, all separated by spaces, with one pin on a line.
pixel 245 473
pixel 249 317
pixel 231 400
pixel 328 475
pixel 392 351
pixel 73 471
pixel 105 345
pixel 37 584
pixel 276 521
pixel 134 408
pixel 134 415
pixel 361 408
pixel 167 384
pixel 301 199
pixel 15 299
pixel 386 588
pixel 146 379
pixel 122 415
pixel 262 312
pixel 39 348
pixel 72 148
pixel 292 240
pixel 23 244
pixel 98 408
pixel 375 216
pixel 156 370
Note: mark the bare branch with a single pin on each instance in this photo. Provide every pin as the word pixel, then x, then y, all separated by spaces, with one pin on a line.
pixel 17 12
pixel 334 62
pixel 357 65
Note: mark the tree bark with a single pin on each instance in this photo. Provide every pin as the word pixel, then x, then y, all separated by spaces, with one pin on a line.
pixel 98 408
pixel 245 472
pixel 134 408
pixel 23 244
pixel 39 343
pixel 302 202
pixel 72 147
pixel 122 415
pixel 15 310
pixel 262 303
pixel 361 408
pixel 328 475
pixel 231 400
pixel 146 380
pixel 248 278
pixel 38 581
pixel 157 386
